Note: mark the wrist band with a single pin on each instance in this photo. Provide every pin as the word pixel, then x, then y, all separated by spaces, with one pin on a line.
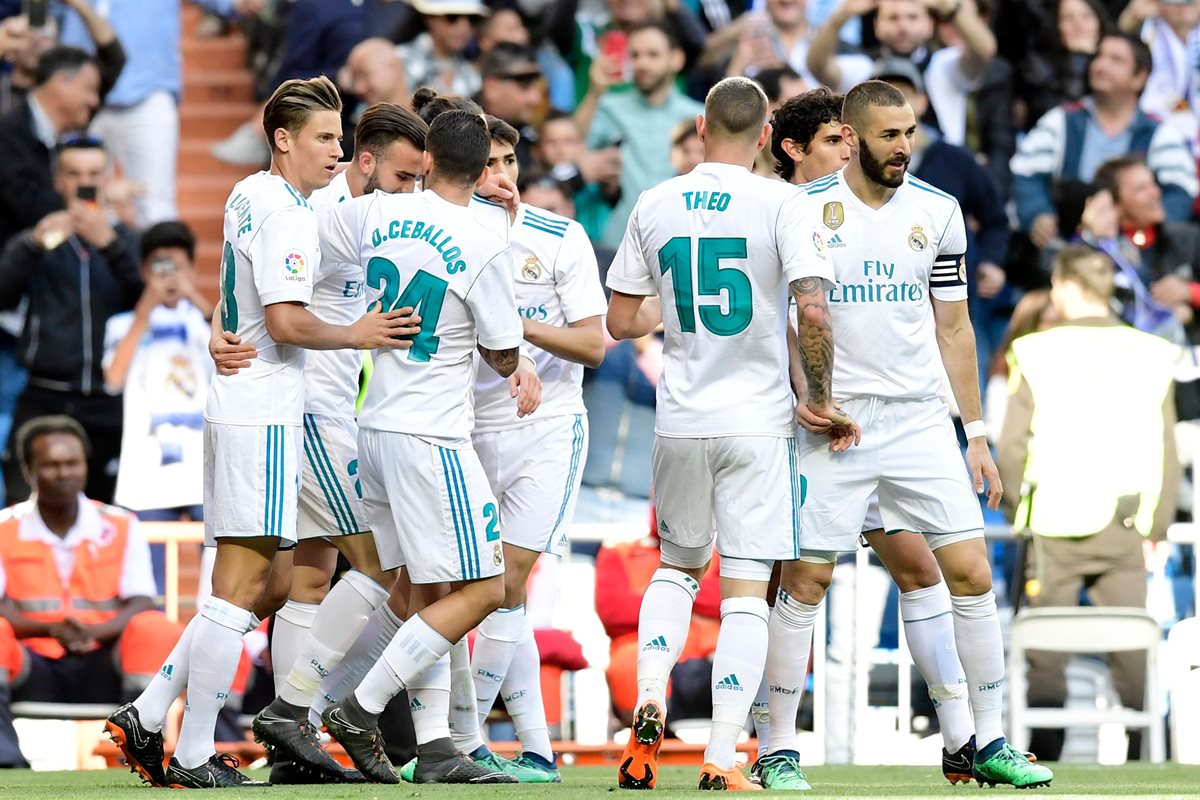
pixel 975 429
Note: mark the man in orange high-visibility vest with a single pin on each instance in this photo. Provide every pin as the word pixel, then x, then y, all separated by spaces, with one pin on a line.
pixel 76 587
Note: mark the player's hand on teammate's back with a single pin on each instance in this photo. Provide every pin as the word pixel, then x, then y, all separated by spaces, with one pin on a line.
pixel 525 385
pixel 982 467
pixel 229 354
pixel 385 329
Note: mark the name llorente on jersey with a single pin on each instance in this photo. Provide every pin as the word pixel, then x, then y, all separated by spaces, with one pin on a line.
pixel 426 232
pixel 877 286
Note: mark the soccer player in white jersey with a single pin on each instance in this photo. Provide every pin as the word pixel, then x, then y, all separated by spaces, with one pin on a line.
pixel 317 626
pixel 253 418
pixel 807 144
pixel 897 245
pixel 534 463
pixel 720 246
pixel 428 500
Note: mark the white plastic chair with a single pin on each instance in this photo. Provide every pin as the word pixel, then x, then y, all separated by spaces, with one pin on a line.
pixel 1183 683
pixel 1084 630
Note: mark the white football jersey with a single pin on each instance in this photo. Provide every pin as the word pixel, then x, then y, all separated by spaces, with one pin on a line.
pixel 339 298
pixel 720 246
pixel 424 252
pixel 557 282
pixel 888 262
pixel 271 254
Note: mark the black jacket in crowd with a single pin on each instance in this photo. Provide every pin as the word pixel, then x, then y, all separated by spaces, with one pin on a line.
pixel 72 292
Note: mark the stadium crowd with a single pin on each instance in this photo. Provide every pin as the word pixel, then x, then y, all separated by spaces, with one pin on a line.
pixel 1054 125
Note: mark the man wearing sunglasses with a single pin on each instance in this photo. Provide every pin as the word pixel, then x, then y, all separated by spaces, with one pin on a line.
pixel 513 90
pixel 435 58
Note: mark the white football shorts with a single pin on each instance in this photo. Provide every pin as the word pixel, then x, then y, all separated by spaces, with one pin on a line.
pixel 741 492
pixel 535 472
pixel 251 479
pixel 330 491
pixel 430 508
pixel 910 456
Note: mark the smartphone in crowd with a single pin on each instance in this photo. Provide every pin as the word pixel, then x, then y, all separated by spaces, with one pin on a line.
pixel 38 12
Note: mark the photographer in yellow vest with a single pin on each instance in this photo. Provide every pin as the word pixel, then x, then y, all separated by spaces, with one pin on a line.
pixel 1089 438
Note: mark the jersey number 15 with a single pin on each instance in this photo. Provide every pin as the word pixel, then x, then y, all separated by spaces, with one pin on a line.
pixel 676 257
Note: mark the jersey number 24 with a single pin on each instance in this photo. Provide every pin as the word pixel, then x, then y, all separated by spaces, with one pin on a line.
pixel 713 279
pixel 424 294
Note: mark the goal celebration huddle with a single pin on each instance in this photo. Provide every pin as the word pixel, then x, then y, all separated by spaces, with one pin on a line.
pixel 808 325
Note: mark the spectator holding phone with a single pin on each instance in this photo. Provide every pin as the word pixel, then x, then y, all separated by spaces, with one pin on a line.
pixel 75 268
pixel 157 356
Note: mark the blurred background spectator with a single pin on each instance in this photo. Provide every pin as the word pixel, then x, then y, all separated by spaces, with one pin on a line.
pixel 1089 507
pixel 639 119
pixel 74 270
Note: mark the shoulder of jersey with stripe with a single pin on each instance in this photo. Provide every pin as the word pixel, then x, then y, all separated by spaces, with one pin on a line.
pixel 544 221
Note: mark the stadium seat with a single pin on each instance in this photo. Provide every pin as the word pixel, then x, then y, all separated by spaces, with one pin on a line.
pixel 1084 630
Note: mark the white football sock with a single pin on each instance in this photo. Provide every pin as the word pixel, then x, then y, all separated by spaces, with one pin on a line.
pixel 663 623
pixel 522 694
pixel 292 623
pixel 981 651
pixel 153 704
pixel 760 710
pixel 494 646
pixel 429 701
pixel 366 651
pixel 791 637
pixel 213 661
pixel 737 670
pixel 929 629
pixel 414 649
pixel 341 617
pixel 464 706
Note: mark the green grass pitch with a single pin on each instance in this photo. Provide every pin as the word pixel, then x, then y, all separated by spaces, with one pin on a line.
pixel 1168 780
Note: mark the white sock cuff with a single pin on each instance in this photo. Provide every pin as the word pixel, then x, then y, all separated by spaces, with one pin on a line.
pixel 755 606
pixel 504 624
pixel 426 634
pixel 388 619
pixel 980 606
pixel 925 603
pixel 299 614
pixel 371 592
pixel 227 615
pixel 792 613
pixel 685 582
pixel 436 676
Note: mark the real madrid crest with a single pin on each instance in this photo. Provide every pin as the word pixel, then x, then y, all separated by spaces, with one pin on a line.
pixel 532 269
pixel 497 556
pixel 962 269
pixel 833 215
pixel 917 240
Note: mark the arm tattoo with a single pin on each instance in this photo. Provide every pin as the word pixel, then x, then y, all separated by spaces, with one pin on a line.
pixel 815 336
pixel 503 361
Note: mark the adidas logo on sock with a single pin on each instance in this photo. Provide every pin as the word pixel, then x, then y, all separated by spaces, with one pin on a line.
pixel 659 644
pixel 836 241
pixel 166 671
pixel 731 683
pixel 416 705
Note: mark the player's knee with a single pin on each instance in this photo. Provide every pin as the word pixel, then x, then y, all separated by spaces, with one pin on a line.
pixel 806 581
pixel 272 597
pixel 489 594
pixel 911 577
pixel 970 581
